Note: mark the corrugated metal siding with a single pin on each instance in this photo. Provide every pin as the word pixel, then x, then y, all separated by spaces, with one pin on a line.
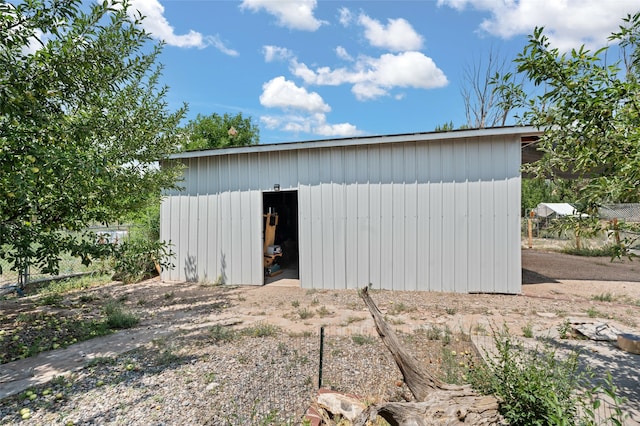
pixel 436 215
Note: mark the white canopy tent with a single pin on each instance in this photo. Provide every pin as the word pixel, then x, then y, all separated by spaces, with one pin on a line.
pixel 551 210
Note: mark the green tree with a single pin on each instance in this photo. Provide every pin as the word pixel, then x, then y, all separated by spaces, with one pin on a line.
pixel 446 127
pixel 216 131
pixel 536 191
pixel 83 124
pixel 590 113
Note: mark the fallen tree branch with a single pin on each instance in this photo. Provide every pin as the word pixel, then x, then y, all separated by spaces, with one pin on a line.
pixel 437 402
pixel 419 381
pixel 440 408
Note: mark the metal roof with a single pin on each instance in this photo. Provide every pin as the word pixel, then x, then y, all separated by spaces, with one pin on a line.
pixel 364 140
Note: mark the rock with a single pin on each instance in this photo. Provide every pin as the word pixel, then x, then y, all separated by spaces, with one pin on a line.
pixel 597 331
pixel 212 386
pixel 629 343
pixel 342 404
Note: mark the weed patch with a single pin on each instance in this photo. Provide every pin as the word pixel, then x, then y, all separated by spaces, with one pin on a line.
pixel 537 386
pixel 261 329
pixel 604 297
pixel 361 339
pixel 117 318
pixel 222 333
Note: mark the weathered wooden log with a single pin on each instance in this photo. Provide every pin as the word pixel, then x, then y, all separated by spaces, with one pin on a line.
pixel 419 381
pixel 438 403
pixel 440 408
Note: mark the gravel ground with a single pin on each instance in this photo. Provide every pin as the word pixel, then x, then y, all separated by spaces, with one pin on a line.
pixel 199 380
pixel 249 355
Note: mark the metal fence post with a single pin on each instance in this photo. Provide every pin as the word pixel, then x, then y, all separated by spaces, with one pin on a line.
pixel 321 355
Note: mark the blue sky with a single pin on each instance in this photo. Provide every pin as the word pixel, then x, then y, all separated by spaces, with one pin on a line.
pixel 309 69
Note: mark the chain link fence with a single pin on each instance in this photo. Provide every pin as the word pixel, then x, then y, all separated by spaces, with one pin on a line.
pixel 354 361
pixel 69 266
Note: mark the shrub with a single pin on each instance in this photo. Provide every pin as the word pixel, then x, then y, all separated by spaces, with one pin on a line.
pixel 137 259
pixel 533 384
pixel 537 386
pixel 305 313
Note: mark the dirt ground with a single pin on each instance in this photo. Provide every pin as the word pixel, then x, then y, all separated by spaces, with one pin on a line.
pixel 556 287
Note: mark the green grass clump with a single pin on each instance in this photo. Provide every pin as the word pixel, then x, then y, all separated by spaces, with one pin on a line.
pixel 261 329
pixel 305 313
pixel 361 339
pixel 118 318
pixel 604 297
pixel 222 333
pixel 76 283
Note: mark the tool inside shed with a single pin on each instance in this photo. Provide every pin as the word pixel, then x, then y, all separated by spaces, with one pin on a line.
pixel 271 251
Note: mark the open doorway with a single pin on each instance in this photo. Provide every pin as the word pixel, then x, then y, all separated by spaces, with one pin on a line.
pixel 285 264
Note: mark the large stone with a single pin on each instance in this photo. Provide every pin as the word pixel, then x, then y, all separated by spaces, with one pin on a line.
pixel 629 343
pixel 338 403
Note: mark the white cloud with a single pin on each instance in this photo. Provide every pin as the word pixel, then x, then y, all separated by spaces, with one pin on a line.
pixel 375 77
pixel 309 115
pixel 398 35
pixel 568 23
pixel 35 42
pixel 276 53
pixel 346 17
pixel 340 130
pixel 293 14
pixel 219 44
pixel 343 54
pixel 315 124
pixel 158 26
pixel 284 94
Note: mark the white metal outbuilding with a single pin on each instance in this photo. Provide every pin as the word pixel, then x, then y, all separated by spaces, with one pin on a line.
pixel 425 211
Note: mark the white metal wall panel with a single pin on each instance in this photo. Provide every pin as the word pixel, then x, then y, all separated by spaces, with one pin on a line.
pixel 423 221
pixel 363 217
pixel 448 215
pixel 374 245
pixel 410 219
pixel 397 216
pixel 460 231
pixel 440 215
pixel 487 218
pixel 474 229
pixel 434 237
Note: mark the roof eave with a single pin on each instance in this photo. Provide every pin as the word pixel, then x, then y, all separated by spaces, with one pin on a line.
pixel 363 140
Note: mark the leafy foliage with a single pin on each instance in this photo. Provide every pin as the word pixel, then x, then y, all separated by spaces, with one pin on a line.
pixel 216 131
pixel 83 124
pixel 137 259
pixel 538 386
pixel 590 113
pixel 536 191
pixel 446 127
